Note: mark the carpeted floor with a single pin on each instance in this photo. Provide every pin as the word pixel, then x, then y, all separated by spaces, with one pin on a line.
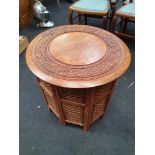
pixel 41 132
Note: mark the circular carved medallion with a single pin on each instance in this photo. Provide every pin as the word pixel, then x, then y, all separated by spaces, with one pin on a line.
pixel 77 48
pixel 77 56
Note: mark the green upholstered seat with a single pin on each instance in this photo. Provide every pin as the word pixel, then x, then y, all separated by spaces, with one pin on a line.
pixel 127 10
pixel 91 6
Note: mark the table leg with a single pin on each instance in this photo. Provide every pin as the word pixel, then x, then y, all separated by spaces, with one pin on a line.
pixel 88 110
pixel 58 105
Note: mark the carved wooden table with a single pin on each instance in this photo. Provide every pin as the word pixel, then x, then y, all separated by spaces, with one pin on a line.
pixel 77 67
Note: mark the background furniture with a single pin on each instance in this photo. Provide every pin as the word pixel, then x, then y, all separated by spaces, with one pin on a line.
pixel 92 8
pixel 77 67
pixel 124 15
pixel 25 13
pixel 23 43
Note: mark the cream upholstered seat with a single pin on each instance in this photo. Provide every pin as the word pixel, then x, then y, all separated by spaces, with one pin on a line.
pixel 91 6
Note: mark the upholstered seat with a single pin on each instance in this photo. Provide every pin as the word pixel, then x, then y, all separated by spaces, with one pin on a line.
pixel 91 6
pixel 127 10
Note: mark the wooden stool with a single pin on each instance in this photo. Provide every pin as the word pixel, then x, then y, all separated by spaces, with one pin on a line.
pixel 77 67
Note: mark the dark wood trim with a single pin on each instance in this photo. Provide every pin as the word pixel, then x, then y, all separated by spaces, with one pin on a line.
pixel 70 14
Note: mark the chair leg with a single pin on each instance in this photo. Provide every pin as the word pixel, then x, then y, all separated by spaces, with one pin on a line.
pixel 113 24
pixel 122 20
pixel 111 17
pixel 85 19
pixel 112 13
pixel 79 17
pixel 124 26
pixel 70 20
pixel 104 22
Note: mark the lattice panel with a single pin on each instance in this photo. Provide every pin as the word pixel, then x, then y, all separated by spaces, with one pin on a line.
pixel 46 85
pixel 101 96
pixel 51 102
pixel 74 95
pixel 99 106
pixel 49 96
pixel 102 91
pixel 73 113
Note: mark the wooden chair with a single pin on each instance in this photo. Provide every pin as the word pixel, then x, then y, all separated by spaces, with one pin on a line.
pixel 92 8
pixel 123 16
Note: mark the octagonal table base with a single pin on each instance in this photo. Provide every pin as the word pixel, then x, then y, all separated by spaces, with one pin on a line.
pixel 77 106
